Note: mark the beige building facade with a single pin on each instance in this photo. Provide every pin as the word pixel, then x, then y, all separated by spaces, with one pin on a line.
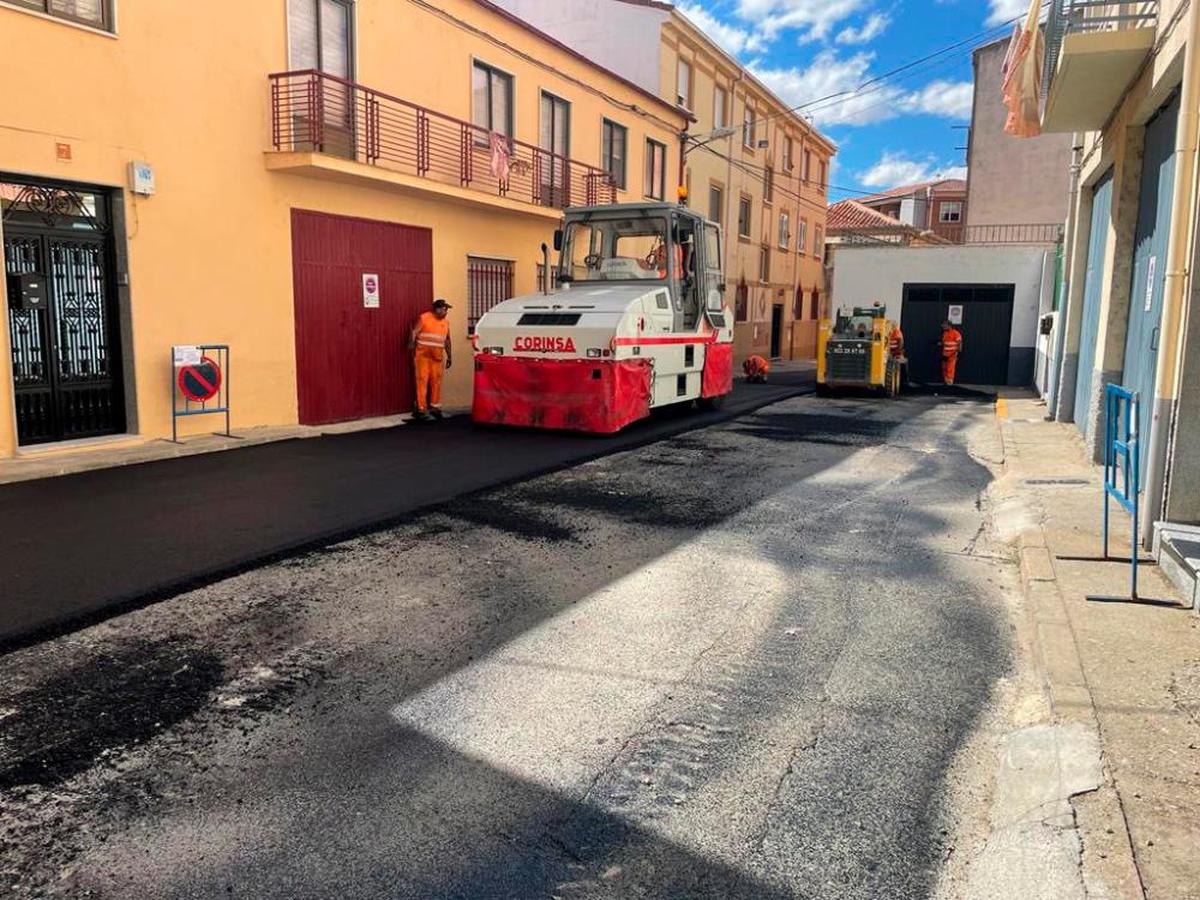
pixel 1010 181
pixel 748 162
pixel 1124 83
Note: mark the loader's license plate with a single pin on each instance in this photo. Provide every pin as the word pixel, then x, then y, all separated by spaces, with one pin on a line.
pixel 849 349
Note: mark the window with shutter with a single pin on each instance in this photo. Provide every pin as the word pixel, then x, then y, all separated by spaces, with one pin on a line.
pixel 319 36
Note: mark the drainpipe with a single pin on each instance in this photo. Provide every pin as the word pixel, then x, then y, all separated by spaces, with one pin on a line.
pixel 1176 282
pixel 1062 320
pixel 733 201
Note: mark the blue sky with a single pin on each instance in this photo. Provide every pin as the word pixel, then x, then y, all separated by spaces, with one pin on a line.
pixel 893 132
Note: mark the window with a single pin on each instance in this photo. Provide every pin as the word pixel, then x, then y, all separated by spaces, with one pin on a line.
pixel 787 154
pixel 612 151
pixel 802 235
pixel 554 136
pixel 611 247
pixel 491 100
pixel 683 84
pixel 716 205
pixel 785 232
pixel 744 212
pixel 95 13
pixel 489 282
pixel 768 184
pixel 807 172
pixel 656 169
pixel 824 183
pixel 950 211
pixel 749 129
pixel 318 35
pixel 818 242
pixel 764 265
pixel 798 306
pixel 741 302
pixel 720 107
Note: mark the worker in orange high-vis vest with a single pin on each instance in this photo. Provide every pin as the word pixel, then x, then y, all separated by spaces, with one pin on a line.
pixel 951 344
pixel 756 369
pixel 430 345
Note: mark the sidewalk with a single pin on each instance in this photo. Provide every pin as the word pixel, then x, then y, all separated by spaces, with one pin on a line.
pixel 1129 673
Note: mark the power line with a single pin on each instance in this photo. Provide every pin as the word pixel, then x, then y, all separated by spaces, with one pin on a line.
pixel 851 93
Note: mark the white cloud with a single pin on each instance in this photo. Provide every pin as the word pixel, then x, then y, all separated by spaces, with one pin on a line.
pixel 816 18
pixel 1006 10
pixel 875 25
pixel 952 99
pixel 830 75
pixel 827 92
pixel 732 39
pixel 896 169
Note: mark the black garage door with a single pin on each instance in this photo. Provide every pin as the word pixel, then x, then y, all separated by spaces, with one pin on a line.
pixel 986 328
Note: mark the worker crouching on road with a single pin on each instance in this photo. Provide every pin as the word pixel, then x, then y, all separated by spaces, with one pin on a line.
pixel 951 344
pixel 430 344
pixel 756 369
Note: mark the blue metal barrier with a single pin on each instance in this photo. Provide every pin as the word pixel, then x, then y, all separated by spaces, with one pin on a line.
pixel 1121 465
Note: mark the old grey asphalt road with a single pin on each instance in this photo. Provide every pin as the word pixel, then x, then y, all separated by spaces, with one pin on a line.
pixel 739 662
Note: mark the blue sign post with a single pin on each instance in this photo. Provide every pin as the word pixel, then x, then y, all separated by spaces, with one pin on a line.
pixel 1121 465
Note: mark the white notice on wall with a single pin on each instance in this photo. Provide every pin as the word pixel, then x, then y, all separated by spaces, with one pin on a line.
pixel 185 355
pixel 955 315
pixel 370 290
pixel 1150 283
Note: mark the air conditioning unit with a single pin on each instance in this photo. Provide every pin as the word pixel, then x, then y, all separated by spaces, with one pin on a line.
pixel 763 143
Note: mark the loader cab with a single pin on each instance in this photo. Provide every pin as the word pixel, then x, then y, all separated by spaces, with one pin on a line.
pixel 655 244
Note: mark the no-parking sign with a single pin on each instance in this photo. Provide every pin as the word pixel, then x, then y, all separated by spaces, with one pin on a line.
pixel 200 382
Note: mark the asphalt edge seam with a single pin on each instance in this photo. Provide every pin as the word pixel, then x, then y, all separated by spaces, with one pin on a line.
pixel 130 603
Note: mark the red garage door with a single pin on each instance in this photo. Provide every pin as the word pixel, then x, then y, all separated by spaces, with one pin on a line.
pixel 351 360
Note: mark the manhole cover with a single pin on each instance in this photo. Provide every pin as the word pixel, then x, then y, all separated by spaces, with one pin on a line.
pixel 1058 481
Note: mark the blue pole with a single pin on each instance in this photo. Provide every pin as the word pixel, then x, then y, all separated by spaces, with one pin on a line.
pixel 1137 486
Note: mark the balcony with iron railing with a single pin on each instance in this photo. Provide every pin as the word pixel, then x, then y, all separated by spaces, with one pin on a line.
pixel 1016 233
pixel 1094 49
pixel 329 127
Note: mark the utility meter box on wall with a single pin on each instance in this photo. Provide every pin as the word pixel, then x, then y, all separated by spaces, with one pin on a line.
pixel 141 178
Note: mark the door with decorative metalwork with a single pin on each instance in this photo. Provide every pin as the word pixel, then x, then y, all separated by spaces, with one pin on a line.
pixel 65 355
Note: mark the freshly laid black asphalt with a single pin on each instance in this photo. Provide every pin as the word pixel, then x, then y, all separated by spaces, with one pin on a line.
pixel 78 548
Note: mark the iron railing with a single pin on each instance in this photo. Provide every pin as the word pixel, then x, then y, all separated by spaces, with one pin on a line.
pixel 1072 16
pixel 318 112
pixel 1025 233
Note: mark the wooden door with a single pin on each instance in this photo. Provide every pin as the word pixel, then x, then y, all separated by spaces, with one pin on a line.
pixel 352 360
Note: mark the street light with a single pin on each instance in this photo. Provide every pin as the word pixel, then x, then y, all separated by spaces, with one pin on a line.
pixel 699 140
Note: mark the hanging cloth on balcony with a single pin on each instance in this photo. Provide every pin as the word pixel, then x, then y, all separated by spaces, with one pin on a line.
pixel 501 155
pixel 1023 77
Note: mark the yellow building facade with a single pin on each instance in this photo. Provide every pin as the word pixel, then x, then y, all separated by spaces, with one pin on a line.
pixel 766 182
pixel 298 190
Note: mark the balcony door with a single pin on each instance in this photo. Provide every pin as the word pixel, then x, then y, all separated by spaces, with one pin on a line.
pixel 555 138
pixel 321 37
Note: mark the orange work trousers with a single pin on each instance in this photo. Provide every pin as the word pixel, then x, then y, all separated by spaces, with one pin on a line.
pixel 430 365
pixel 949 365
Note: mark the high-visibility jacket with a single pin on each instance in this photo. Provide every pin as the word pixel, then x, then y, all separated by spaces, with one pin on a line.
pixel 896 341
pixel 678 270
pixel 951 342
pixel 755 365
pixel 433 333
